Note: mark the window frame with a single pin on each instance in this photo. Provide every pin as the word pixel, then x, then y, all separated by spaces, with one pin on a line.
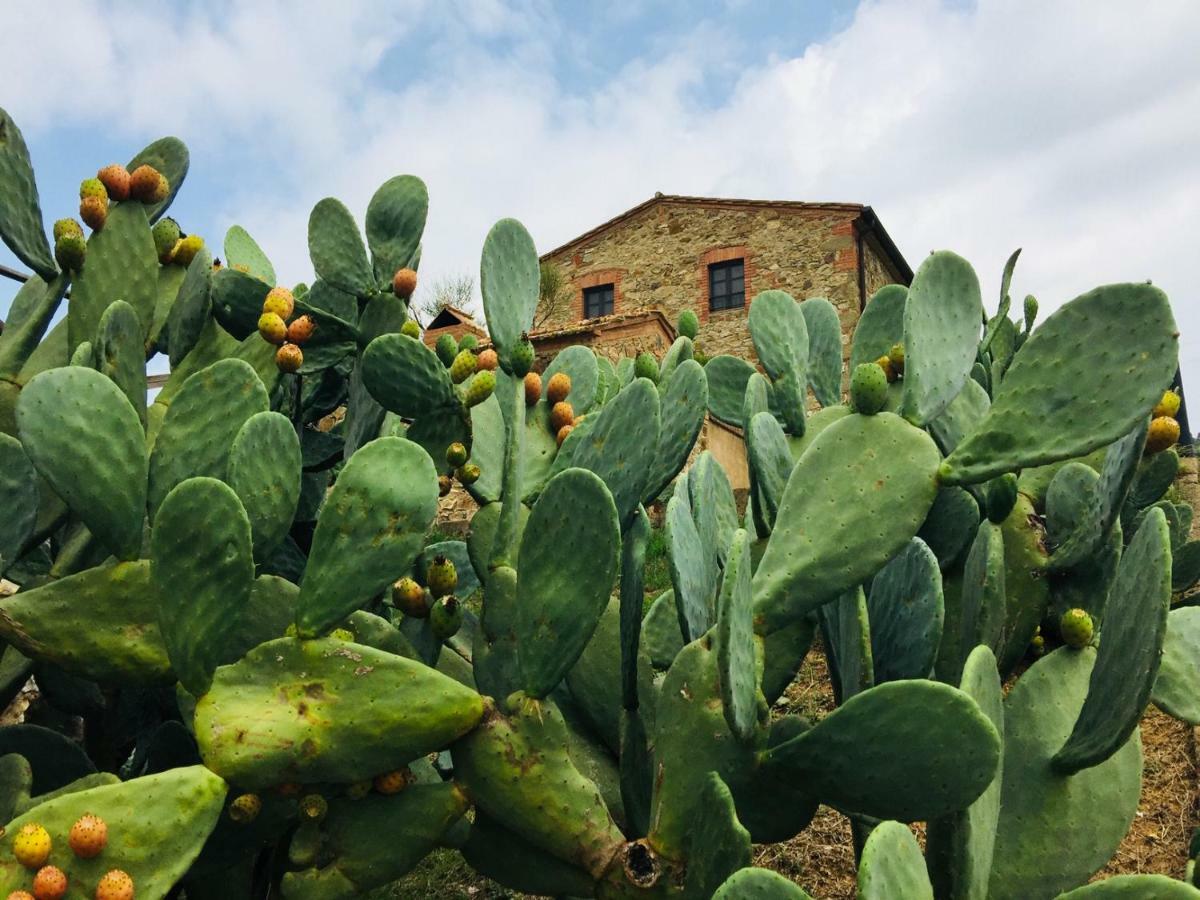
pixel 722 266
pixel 607 306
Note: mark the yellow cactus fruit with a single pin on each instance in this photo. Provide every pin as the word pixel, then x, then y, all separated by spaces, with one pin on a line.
pixel 1167 406
pixel 280 301
pixel 32 845
pixel 1164 432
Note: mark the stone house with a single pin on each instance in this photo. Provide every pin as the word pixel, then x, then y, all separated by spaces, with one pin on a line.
pixel 642 268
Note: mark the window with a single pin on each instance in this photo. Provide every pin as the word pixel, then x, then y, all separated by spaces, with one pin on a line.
pixel 726 285
pixel 597 301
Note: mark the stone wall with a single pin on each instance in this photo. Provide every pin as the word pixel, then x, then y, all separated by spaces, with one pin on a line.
pixel 659 257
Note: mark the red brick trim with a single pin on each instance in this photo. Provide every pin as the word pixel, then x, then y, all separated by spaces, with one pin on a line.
pixel 595 279
pixel 723 254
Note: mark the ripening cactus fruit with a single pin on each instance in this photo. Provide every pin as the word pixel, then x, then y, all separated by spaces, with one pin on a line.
pixel 561 415
pixel 32 845
pixel 1167 406
pixel 279 300
pixel 148 185
pixel 689 324
pixel 409 598
pixel 868 388
pixel 301 329
pixel 115 179
pixel 468 474
pixel 468 342
pixel 463 366
pixel 166 235
pixel 562 434
pixel 70 251
pixel 441 576
pixel 313 807
pixel 446 349
pixel 896 358
pixel 533 388
pixel 67 228
pixel 487 361
pixel 1037 646
pixel 445 617
pixel 558 387
pixel 272 328
pixel 522 356
pixel 92 187
pixel 886 364
pixel 393 782
pixel 1163 433
pixel 186 249
pixel 1076 628
pixel 645 366
pixel 289 358
pixel 245 808
pixel 456 454
pixel 115 885
pixel 94 212
pixel 404 282
pixel 411 329
pixel 481 387
pixel 445 485
pixel 88 837
pixel 50 883
pixel 342 634
pixel 20 895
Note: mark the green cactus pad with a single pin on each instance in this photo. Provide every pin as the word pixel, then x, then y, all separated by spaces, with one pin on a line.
pixel 783 653
pixel 780 335
pixel 1135 624
pixel 893 466
pixel 243 253
pixel 16 781
pixel 961 417
pixel 1032 422
pixel 941 333
pixel 1154 477
pixel 880 326
pixel 1134 887
pixel 336 248
pixel 21 224
pixel 952 752
pixel 892 866
pixel 759 884
pixel 405 377
pixel 959 846
pixel 168 155
pixel 395 222
pixel 632 603
pixel 1025 583
pixel 121 264
pixel 713 505
pixel 983 596
pixel 101 624
pixel 156 827
pixel 737 650
pixel 1177 686
pixel 580 364
pixel 30 315
pixel 508 280
pixel 681 349
pixel 375 840
pixel 121 355
pixel 681 414
pixel 191 308
pixel 770 463
pixel 201 424
pixel 305 711
pixel 950 524
pixel 237 300
pixel 166 291
pixel 757 399
pixel 661 637
pixel 720 845
pixel 85 439
pixel 1105 502
pixel 905 608
pixel 84 355
pixel 203 567
pixel 727 378
pixel 620 444
pixel 1055 832
pixel 18 495
pixel 693 574
pixel 56 759
pixel 497 853
pixel 369 532
pixel 824 350
pixel 264 472
pixel 517 770
pixel 846 632
pixel 566 569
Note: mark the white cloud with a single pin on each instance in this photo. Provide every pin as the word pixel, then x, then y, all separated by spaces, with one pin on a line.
pixel 1069 129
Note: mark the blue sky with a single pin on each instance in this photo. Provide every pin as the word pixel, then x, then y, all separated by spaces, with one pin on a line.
pixel 976 126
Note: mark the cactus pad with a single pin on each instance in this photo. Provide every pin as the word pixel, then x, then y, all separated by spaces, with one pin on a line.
pixel 737 652
pixel 394 223
pixel 1177 687
pixel 880 326
pixel 508 280
pixel 906 609
pixel 892 866
pixel 406 378
pixel 824 350
pixel 336 248
pixel 18 495
pixel 21 214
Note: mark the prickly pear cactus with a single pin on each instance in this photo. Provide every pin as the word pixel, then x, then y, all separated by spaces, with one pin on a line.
pixel 285 688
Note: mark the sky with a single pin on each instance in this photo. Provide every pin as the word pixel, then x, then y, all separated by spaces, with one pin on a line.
pixel 1069 129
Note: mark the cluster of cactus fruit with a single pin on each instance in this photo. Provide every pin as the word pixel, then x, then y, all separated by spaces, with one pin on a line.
pixel 283 690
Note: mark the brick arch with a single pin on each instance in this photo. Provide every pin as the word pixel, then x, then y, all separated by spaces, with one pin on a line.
pixel 723 254
pixel 594 279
